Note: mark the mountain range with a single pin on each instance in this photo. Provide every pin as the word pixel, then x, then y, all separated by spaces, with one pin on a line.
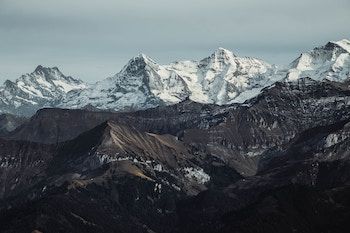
pixel 222 78
pixel 225 144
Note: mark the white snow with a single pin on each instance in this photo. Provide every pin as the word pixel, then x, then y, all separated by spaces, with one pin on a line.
pixel 43 82
pixel 196 174
pixel 345 44
pixel 41 88
pixel 158 188
pixel 27 100
pixel 158 168
pixel 323 63
pixel 221 78
pixel 29 89
pixel 331 140
pixel 67 87
pixel 247 95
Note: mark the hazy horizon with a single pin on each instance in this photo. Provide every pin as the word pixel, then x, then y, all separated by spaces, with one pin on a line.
pixel 92 41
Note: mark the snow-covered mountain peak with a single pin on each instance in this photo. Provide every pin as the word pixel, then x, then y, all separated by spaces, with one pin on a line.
pixel 223 53
pixel 145 57
pixel 138 64
pixel 51 79
pixel 218 58
pixel 331 61
pixel 51 73
pixel 344 43
pixel 43 87
pixel 142 58
pixel 221 78
pixel 43 69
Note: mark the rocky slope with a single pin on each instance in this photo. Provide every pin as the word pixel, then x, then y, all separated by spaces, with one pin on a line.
pixel 132 175
pixel 272 119
pixel 294 191
pixel 52 125
pixel 117 178
pixel 237 134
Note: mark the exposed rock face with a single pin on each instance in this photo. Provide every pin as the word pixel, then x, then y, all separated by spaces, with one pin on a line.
pixel 22 164
pixel 272 119
pixel 57 125
pixel 135 175
pixel 134 181
pixel 290 192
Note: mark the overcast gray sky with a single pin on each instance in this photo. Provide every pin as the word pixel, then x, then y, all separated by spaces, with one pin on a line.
pixel 93 39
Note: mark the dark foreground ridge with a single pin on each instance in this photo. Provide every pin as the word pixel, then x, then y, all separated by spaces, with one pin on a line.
pixel 278 163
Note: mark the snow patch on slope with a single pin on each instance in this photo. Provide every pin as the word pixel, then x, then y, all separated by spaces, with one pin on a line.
pixel 197 175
